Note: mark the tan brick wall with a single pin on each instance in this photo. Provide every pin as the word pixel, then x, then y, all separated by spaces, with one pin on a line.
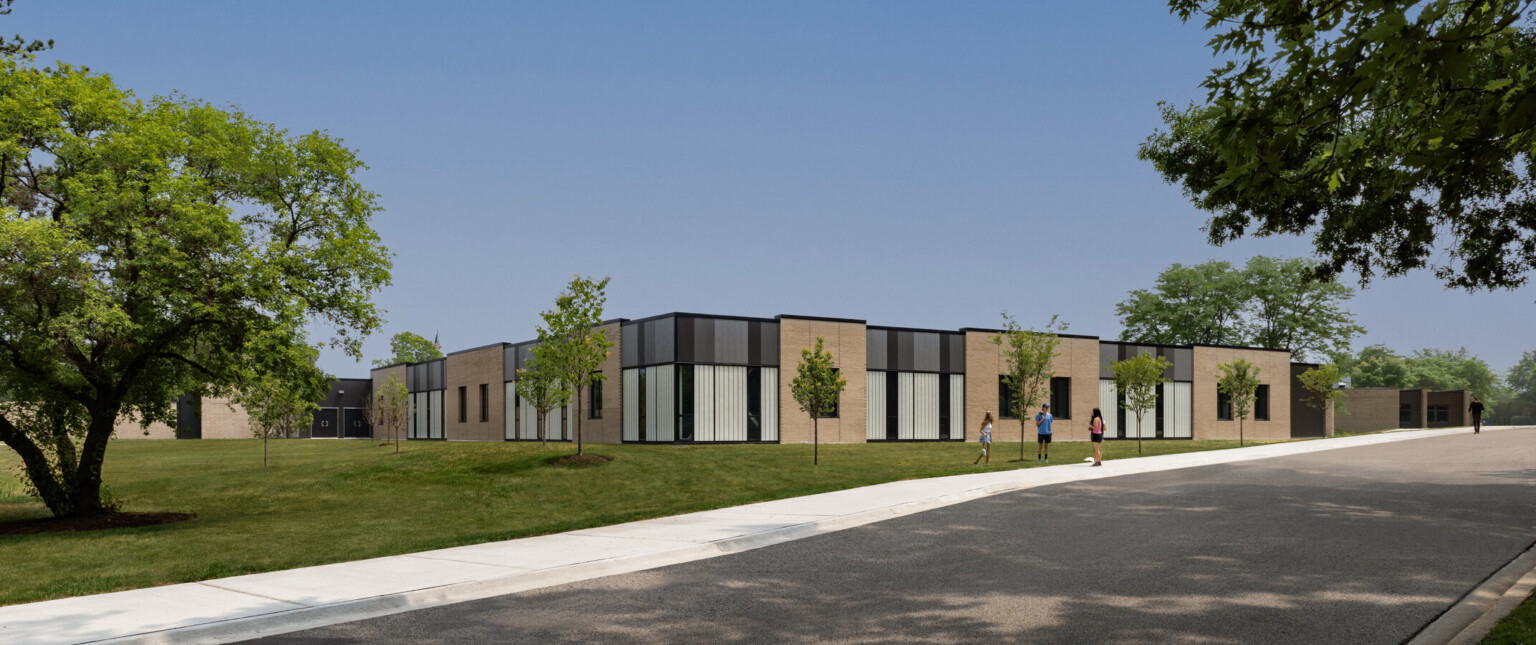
pixel 847 343
pixel 1274 371
pixel 470 370
pixel 225 420
pixel 610 428
pixel 1369 409
pixel 380 377
pixel 128 428
pixel 1076 358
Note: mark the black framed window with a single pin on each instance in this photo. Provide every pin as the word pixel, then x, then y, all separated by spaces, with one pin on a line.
pixel 1004 399
pixel 1261 403
pixel 1061 397
pixel 641 401
pixel 595 402
pixel 463 404
pixel 944 406
pixel 1404 414
pixel 1439 413
pixel 832 414
pixel 685 403
pixel 1223 407
pixel 754 404
pixel 485 402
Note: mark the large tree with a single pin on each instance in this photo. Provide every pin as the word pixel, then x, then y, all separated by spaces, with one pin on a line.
pixel 409 347
pixel 1269 302
pixel 1397 135
pixel 150 248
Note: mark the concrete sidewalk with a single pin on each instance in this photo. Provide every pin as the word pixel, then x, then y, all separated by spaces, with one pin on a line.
pixel 243 607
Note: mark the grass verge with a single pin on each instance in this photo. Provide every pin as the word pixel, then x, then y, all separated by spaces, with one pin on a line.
pixel 1518 628
pixel 326 501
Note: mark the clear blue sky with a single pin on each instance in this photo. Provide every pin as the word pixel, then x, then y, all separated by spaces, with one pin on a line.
pixel 913 164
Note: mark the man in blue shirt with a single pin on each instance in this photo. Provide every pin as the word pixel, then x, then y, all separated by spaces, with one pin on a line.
pixel 1043 434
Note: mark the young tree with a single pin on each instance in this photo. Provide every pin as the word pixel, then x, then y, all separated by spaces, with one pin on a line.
pixel 280 394
pixel 409 347
pixel 1028 354
pixel 1320 389
pixel 1240 382
pixel 1325 123
pixel 150 248
pixel 390 409
pixel 1137 378
pixel 816 389
pixel 539 384
pixel 575 343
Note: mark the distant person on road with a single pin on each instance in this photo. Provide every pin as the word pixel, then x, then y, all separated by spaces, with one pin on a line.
pixel 1477 415
pixel 1096 435
pixel 985 438
pixel 1043 434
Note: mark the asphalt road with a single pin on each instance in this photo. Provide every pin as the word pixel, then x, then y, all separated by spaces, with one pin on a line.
pixel 1361 545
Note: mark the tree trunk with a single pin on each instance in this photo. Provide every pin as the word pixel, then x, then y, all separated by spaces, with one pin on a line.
pixel 85 489
pixel 815 442
pixel 49 487
pixel 576 418
pixel 263 449
pixel 1138 432
pixel 1239 432
pixel 541 423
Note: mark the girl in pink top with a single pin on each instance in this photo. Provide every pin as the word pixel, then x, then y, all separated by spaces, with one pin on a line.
pixel 1096 433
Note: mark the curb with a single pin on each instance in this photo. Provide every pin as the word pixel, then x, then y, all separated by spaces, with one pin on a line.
pixel 1471 618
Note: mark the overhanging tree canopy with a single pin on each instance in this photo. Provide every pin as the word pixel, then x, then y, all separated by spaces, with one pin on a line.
pixel 157 247
pixel 1398 135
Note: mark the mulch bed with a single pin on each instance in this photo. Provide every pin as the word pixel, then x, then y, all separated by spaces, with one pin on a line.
pixel 577 461
pixel 101 522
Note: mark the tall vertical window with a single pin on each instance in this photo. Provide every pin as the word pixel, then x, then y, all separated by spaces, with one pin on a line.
pixel 641 402
pixel 485 404
pixel 754 404
pixel 1004 399
pixel 1061 397
pixel 1261 403
pixel 1223 407
pixel 685 403
pixel 463 403
pixel 595 405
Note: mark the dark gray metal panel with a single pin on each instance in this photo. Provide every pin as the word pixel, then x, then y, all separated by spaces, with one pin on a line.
pixel 925 351
pixel 1183 364
pixel 904 362
pixel 956 363
pixel 1108 353
pixel 630 336
pixel 731 342
pixel 770 341
pixel 324 424
pixel 685 352
pixel 664 348
pixel 508 363
pixel 704 340
pixel 435 371
pixel 189 417
pixel 875 349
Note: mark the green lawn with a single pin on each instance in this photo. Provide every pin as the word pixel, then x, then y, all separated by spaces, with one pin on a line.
pixel 329 501
pixel 1518 628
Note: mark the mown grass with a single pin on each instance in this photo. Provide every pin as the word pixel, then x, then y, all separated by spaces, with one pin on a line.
pixel 1518 628
pixel 329 501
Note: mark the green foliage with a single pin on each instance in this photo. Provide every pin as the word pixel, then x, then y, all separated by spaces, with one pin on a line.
pixel 1391 133
pixel 1240 382
pixel 17 45
pixel 150 248
pixel 1270 302
pixel 1028 355
pixel 1521 382
pixel 409 347
pixel 1434 369
pixel 1318 386
pixel 1377 366
pixel 1138 378
pixel 573 344
pixel 816 388
pixel 282 401
pixel 390 409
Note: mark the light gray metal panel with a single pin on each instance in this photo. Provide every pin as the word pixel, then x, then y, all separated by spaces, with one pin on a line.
pixel 925 352
pixel 874 402
pixel 731 342
pixel 435 414
pixel 770 385
pixel 703 403
pixel 666 402
pixel 509 412
pixel 730 402
pixel 875 349
pixel 904 420
pixel 631 404
pixel 1183 364
pixel 1183 409
pixel 957 427
pixel 1108 403
pixel 663 350
pixel 770 344
pixel 925 405
pixel 629 335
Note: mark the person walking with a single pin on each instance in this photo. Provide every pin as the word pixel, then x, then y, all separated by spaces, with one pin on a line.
pixel 1096 435
pixel 985 439
pixel 1043 434
pixel 1477 415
